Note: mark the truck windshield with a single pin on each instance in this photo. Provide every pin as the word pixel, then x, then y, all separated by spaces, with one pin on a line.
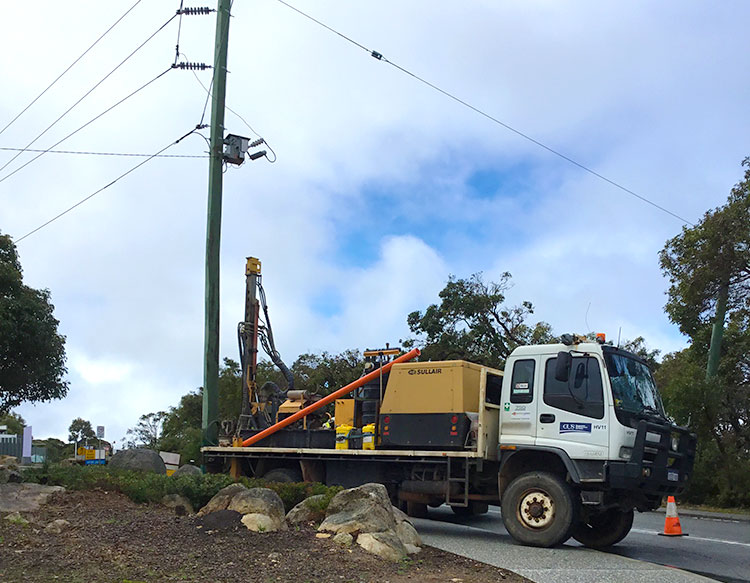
pixel 633 387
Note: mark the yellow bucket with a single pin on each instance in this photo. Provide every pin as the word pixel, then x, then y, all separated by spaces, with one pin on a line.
pixel 368 436
pixel 342 436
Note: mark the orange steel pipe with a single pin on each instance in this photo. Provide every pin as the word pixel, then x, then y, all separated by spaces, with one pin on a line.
pixel 330 398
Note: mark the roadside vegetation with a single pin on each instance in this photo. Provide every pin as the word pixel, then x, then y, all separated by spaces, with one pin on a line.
pixel 145 487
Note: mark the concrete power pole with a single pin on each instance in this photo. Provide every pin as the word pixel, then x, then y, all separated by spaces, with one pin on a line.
pixel 210 421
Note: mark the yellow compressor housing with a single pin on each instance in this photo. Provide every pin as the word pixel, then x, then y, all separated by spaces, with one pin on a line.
pixel 426 404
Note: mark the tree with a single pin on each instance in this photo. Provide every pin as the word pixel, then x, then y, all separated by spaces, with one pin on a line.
pixel 708 266
pixel 32 352
pixel 79 430
pixel 472 323
pixel 14 422
pixel 181 428
pixel 324 373
pixel 147 432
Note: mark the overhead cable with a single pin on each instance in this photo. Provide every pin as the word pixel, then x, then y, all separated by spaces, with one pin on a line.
pixel 105 187
pixel 380 57
pixel 60 76
pixel 43 152
pixel 49 127
pixel 126 154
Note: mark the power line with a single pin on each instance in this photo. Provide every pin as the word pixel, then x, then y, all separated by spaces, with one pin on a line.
pixel 83 54
pixel 130 154
pixel 380 57
pixel 43 152
pixel 105 187
pixel 49 127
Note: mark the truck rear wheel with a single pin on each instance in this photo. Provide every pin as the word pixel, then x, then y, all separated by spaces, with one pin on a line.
pixel 539 509
pixel 604 529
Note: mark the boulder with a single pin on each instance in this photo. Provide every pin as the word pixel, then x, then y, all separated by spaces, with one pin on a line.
pixel 384 544
pixel 366 508
pixel 261 509
pixel 408 535
pixel 25 497
pixel 221 499
pixel 260 501
pixel 141 459
pixel 181 505
pixel 57 526
pixel 309 510
pixel 260 523
pixel 187 470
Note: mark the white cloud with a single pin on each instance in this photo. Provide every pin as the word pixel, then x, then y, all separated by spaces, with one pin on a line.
pixel 367 210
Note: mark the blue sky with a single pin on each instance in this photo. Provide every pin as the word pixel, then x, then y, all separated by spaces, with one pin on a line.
pixel 383 187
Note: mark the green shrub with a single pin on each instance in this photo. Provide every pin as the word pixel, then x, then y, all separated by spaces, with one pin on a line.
pixel 143 487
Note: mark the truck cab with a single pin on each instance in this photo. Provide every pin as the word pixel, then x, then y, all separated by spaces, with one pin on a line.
pixel 587 416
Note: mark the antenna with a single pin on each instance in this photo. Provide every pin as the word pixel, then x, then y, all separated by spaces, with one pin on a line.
pixel 586 319
pixel 619 333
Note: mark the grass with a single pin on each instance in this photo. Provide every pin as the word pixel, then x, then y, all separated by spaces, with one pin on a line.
pixel 144 487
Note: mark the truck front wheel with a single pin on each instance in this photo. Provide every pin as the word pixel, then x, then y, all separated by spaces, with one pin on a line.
pixel 604 529
pixel 539 509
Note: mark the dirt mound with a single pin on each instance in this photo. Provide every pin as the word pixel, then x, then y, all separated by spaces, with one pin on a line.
pixel 111 539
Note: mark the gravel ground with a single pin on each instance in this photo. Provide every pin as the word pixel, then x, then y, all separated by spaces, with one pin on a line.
pixel 112 539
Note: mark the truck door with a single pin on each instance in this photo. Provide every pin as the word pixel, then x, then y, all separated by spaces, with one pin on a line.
pixel 519 401
pixel 573 415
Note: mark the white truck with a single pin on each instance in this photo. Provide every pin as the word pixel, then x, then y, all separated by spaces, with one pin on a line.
pixel 569 441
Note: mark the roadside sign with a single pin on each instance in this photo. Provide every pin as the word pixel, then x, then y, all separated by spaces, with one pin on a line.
pixel 100 431
pixel 99 462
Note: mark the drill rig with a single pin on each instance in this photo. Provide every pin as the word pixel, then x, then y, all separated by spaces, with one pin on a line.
pixel 260 405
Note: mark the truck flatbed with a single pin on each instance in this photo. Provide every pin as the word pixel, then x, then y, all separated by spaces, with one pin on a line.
pixel 313 452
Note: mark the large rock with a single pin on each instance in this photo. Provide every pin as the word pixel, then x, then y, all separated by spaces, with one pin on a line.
pixel 408 535
pixel 9 470
pixel 221 499
pixel 141 459
pixel 363 509
pixel 384 544
pixel 187 470
pixel 309 510
pixel 261 501
pixel 25 497
pixel 262 510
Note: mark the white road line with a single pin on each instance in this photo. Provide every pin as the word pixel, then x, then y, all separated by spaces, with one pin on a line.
pixel 710 540
pixel 701 538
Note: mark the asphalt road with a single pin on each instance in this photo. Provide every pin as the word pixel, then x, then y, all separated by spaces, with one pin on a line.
pixel 717 548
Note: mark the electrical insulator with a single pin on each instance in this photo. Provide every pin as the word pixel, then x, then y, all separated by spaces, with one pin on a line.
pixel 199 11
pixel 191 66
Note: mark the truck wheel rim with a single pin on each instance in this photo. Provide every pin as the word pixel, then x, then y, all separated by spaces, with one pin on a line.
pixel 537 510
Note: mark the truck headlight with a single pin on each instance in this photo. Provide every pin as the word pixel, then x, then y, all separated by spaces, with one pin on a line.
pixel 626 452
pixel 675 443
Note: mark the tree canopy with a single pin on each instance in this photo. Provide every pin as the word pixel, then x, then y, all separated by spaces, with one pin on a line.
pixel 713 254
pixel 32 352
pixel 14 422
pixel 708 267
pixel 473 323
pixel 79 430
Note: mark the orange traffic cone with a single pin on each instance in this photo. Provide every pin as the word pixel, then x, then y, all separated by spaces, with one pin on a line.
pixel 672 522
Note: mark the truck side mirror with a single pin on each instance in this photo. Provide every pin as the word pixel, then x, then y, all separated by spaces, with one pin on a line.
pixel 562 366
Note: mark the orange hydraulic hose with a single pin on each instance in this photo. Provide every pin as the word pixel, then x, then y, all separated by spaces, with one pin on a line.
pixel 330 398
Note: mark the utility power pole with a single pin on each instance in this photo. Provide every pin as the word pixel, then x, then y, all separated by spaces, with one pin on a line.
pixel 210 421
